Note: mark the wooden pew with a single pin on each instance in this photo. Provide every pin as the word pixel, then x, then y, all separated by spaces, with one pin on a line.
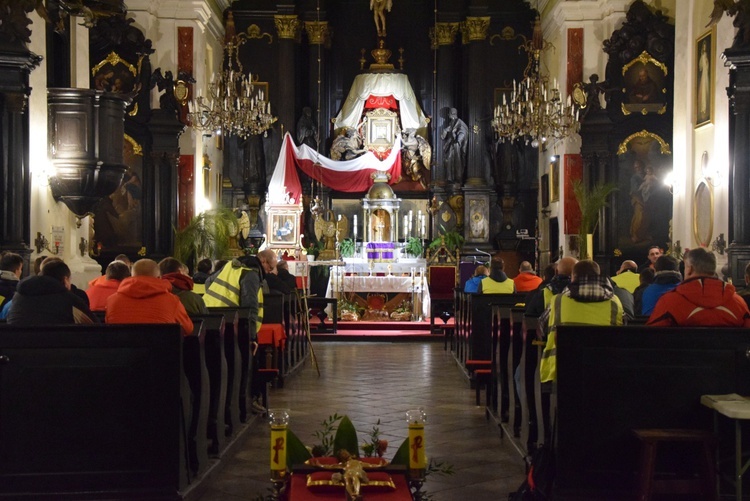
pixel 196 373
pixel 92 411
pixel 611 380
pixel 233 356
pixel 216 366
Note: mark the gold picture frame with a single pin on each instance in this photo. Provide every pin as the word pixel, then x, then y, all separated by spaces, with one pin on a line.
pixel 644 86
pixel 704 78
pixel 554 179
pixel 381 130
pixel 703 214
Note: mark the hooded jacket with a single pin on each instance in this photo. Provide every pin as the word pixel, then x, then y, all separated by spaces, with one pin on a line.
pixel 182 287
pixel 147 300
pixel 99 291
pixel 664 281
pixel 41 300
pixel 701 301
pixel 526 281
pixel 8 283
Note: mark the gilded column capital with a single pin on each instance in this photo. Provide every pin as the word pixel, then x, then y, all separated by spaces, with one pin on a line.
pixel 287 26
pixel 475 29
pixel 317 32
pixel 443 34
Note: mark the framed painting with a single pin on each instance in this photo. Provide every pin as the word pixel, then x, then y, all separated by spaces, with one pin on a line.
pixel 704 85
pixel 554 178
pixel 544 186
pixel 644 86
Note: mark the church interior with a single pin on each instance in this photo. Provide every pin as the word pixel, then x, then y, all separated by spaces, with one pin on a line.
pixel 383 148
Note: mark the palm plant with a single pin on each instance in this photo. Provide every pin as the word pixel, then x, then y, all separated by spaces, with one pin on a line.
pixel 207 235
pixel 591 201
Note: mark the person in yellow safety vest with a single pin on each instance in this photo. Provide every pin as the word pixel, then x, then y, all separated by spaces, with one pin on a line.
pixel 540 301
pixel 627 276
pixel 238 283
pixel 588 299
pixel 498 282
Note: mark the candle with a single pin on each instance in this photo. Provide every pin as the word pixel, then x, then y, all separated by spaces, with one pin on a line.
pixel 406 226
pixel 279 419
pixel 417 464
pixel 424 217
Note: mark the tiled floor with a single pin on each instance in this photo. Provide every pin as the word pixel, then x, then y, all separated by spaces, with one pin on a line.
pixel 371 381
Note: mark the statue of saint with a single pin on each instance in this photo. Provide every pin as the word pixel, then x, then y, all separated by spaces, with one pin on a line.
pixel 307 131
pixel 378 8
pixel 455 137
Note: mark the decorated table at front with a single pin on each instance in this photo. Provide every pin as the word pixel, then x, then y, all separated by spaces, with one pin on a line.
pixel 363 277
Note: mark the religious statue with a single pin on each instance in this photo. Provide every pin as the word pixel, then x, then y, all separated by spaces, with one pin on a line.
pixel 455 137
pixel 378 8
pixel 327 229
pixel 307 130
pixel 416 155
pixel 347 146
pixel 354 477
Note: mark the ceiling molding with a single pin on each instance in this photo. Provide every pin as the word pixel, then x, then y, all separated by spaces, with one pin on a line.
pixel 207 14
pixel 564 13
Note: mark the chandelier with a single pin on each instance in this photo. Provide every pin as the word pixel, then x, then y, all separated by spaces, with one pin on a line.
pixel 233 106
pixel 535 112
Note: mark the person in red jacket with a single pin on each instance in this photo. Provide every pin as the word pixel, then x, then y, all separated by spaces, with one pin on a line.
pixel 145 298
pixel 99 290
pixel 702 298
pixel 526 280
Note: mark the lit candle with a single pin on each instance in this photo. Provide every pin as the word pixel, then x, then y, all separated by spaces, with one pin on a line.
pixel 279 419
pixel 417 464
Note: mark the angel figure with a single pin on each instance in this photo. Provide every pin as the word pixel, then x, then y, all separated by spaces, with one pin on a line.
pixel 327 229
pixel 347 146
pixel 416 155
pixel 378 8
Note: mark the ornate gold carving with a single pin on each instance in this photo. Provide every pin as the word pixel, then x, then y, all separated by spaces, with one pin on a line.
pixel 317 32
pixel 137 148
pixel 444 34
pixel 663 146
pixel 254 31
pixel 287 26
pixel 113 58
pixel 507 34
pixel 644 111
pixel 645 58
pixel 476 28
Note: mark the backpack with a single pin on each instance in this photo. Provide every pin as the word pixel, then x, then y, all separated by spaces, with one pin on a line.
pixel 541 474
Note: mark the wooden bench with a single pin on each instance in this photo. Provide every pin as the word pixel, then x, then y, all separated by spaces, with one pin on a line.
pixel 92 411
pixel 613 380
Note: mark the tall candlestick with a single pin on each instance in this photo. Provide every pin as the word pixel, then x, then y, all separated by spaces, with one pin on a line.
pixel 417 463
pixel 406 227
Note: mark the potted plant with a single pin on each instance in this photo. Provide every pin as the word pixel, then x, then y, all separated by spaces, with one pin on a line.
pixel 451 239
pixel 207 235
pixel 346 247
pixel 312 251
pixel 591 201
pixel 414 247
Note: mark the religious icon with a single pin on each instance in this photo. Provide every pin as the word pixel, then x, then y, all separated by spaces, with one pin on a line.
pixel 644 86
pixel 704 79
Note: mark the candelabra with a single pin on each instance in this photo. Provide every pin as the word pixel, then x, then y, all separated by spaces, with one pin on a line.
pixel 535 111
pixel 233 106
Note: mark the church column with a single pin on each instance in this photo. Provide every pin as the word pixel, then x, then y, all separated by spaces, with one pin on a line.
pixel 444 42
pixel 474 32
pixel 739 142
pixel 319 36
pixel 287 29
pixel 16 63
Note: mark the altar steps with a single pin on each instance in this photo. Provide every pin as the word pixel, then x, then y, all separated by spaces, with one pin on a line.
pixel 379 331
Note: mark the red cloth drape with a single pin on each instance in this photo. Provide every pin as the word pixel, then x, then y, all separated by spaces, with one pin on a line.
pixel 388 102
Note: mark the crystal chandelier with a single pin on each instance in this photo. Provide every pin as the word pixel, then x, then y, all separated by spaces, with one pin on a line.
pixel 233 107
pixel 535 111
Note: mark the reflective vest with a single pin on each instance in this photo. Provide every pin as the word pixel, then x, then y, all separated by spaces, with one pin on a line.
pixel 224 291
pixel 199 288
pixel 490 286
pixel 566 310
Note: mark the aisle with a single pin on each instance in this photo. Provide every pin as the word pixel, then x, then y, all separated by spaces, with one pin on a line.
pixel 371 381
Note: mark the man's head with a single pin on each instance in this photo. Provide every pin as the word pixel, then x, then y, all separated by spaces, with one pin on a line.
pixel 282 265
pixel 453 113
pixel 666 263
pixel 117 270
pixel 628 266
pixel 12 262
pixel 643 75
pixel 204 266
pixel 268 260
pixel 481 271
pixel 146 268
pixel 170 265
pixel 646 276
pixel 585 269
pixel 497 264
pixel 699 263
pixel 525 267
pixel 125 259
pixel 38 264
pixel 57 269
pixel 653 253
pixel 549 272
pixel 565 266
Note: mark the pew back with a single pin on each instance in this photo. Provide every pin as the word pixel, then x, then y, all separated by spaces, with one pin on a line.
pixel 90 408
pixel 611 380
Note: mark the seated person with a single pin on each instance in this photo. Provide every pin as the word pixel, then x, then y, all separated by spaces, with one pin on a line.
pixel 203 271
pixel 627 276
pixel 173 271
pixel 268 261
pixel 75 290
pixel 11 267
pixel 667 276
pixel 100 290
pixel 526 280
pixel 472 284
pixel 282 270
pixel 646 277
pixel 498 282
pixel 144 298
pixel 745 293
pixel 46 299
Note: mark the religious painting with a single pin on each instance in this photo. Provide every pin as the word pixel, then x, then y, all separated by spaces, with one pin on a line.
pixel 644 86
pixel 554 178
pixel 544 187
pixel 704 86
pixel 114 74
pixel 643 202
pixel 283 229
pixel 479 218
